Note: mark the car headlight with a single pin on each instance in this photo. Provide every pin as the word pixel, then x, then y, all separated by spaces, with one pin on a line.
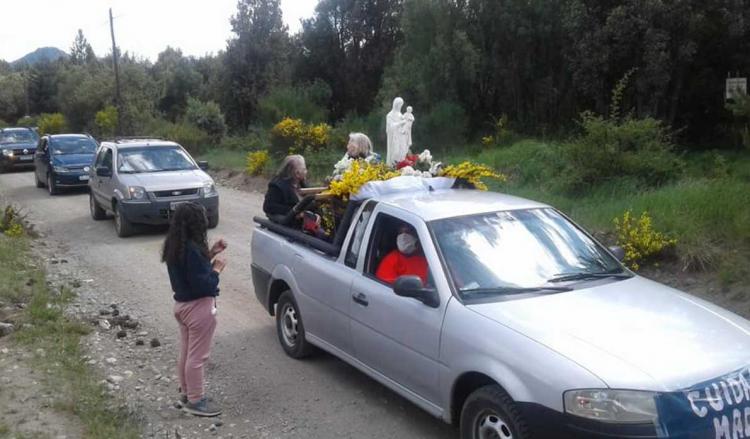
pixel 61 169
pixel 136 192
pixel 209 189
pixel 8 152
pixel 617 406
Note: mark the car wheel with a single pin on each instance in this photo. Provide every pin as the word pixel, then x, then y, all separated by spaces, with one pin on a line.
pixel 213 221
pixel 97 213
pixel 39 183
pixel 489 412
pixel 290 328
pixel 51 187
pixel 123 227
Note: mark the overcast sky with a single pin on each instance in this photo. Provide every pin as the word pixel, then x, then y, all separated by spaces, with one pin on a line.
pixel 142 27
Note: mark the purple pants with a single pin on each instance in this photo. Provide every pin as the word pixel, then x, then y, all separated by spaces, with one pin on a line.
pixel 197 325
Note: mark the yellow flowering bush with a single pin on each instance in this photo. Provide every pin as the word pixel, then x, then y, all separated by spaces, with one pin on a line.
pixel 256 162
pixel 639 239
pixel 473 173
pixel 14 231
pixel 293 136
pixel 11 223
pixel 359 173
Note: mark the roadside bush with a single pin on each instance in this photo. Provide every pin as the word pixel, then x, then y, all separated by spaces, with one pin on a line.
pixel 293 136
pixel 307 102
pixel 52 123
pixel 257 162
pixel 247 142
pixel 639 239
pixel 27 121
pixel 207 116
pixel 443 126
pixel 12 222
pixel 610 149
pixel 189 136
pixel 373 125
pixel 106 121
pixel 502 134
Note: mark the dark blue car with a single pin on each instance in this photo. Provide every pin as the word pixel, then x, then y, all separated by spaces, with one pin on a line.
pixel 17 146
pixel 63 161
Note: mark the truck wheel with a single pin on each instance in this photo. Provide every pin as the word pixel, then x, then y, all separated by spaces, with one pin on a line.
pixel 123 227
pixel 213 221
pixel 489 412
pixel 289 327
pixel 97 213
pixel 51 187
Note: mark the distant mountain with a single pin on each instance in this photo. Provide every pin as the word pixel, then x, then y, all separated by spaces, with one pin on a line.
pixel 40 55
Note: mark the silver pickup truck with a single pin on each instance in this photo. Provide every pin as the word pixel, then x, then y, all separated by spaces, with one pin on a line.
pixel 525 325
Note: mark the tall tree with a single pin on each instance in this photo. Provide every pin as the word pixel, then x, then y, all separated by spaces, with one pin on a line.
pixel 257 58
pixel 178 79
pixel 81 51
pixel 348 44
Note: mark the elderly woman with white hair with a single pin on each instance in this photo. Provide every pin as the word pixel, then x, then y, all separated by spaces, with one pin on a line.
pixel 359 147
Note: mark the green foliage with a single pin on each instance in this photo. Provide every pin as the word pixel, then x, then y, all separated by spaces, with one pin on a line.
pixel 12 96
pixel 208 117
pixel 307 102
pixel 189 136
pixel 12 222
pixel 106 121
pixel 445 125
pixel 82 90
pixel 607 149
pixel 220 158
pixel 293 136
pixel 248 142
pixel 54 123
pixel 28 121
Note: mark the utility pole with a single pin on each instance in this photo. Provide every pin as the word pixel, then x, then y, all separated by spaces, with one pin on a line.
pixel 118 99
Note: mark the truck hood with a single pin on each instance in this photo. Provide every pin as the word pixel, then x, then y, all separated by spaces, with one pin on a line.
pixel 160 181
pixel 633 334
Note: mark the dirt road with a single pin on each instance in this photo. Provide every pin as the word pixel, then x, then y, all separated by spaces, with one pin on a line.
pixel 264 393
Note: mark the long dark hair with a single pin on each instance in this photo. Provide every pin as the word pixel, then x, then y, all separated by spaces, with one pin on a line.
pixel 189 224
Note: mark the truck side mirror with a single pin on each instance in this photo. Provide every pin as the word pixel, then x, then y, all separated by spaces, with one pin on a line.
pixel 411 286
pixel 618 252
pixel 203 165
pixel 103 171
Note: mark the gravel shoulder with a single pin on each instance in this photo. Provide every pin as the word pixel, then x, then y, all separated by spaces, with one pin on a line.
pixel 264 393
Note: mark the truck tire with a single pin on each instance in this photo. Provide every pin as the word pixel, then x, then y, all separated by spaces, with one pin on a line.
pixel 123 227
pixel 290 329
pixel 97 213
pixel 489 412
pixel 213 221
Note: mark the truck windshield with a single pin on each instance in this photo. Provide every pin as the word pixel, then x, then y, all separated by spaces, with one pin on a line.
pixel 18 136
pixel 533 250
pixel 153 159
pixel 72 145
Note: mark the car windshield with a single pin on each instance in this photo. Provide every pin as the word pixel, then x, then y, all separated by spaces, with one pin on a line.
pixel 153 159
pixel 18 136
pixel 72 145
pixel 519 251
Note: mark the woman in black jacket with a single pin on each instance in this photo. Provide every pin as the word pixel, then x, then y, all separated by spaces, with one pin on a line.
pixel 194 274
pixel 283 191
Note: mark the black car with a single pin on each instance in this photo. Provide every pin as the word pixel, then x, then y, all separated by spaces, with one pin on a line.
pixel 17 147
pixel 63 161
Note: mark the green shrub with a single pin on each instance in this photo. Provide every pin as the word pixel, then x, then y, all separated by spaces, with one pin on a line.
pixel 27 121
pixel 52 123
pixel 189 136
pixel 106 121
pixel 249 142
pixel 208 117
pixel 307 102
pixel 609 149
pixel 443 126
pixel 373 125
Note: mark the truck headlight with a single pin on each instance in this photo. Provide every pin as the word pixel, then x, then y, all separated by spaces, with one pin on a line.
pixel 136 192
pixel 8 152
pixel 209 189
pixel 616 406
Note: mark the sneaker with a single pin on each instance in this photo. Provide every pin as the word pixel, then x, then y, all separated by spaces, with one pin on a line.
pixel 202 408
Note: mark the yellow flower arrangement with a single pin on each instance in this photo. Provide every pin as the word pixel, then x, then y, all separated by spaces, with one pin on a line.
pixel 256 162
pixel 473 173
pixel 639 239
pixel 359 173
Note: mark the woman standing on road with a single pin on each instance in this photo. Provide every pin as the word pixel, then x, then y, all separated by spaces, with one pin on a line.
pixel 194 274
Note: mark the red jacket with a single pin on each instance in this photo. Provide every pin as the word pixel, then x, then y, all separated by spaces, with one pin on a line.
pixel 397 264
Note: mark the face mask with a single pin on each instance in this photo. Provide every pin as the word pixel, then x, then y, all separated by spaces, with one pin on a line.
pixel 406 243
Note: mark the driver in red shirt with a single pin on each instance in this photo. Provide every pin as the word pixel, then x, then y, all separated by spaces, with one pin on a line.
pixel 406 259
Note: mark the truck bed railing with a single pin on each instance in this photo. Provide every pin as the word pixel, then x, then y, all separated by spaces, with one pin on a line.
pixel 297 236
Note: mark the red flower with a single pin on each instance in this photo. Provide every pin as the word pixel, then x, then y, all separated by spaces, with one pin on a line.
pixel 405 162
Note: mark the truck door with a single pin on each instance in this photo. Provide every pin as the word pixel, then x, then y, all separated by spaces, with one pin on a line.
pixel 325 286
pixel 399 337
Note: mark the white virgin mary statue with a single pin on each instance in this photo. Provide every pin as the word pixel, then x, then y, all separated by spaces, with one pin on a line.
pixel 397 140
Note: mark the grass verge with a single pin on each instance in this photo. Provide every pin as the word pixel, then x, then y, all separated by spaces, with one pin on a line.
pixel 56 340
